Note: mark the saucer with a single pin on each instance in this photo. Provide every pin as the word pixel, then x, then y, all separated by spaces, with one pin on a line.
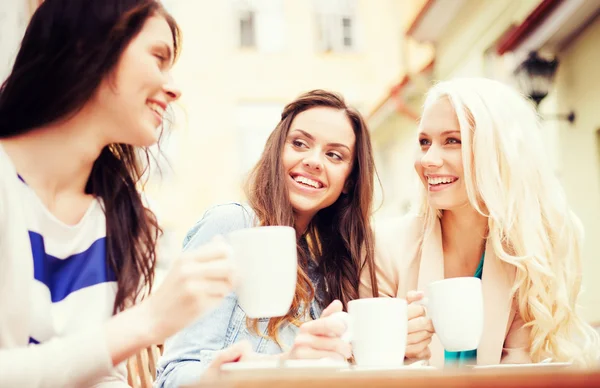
pixel 251 366
pixel 404 368
pixel 549 365
pixel 323 363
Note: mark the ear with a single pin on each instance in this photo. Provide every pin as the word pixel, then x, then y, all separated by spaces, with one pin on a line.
pixel 347 186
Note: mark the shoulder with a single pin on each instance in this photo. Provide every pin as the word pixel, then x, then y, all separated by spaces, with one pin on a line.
pixel 10 192
pixel 7 169
pixel 220 220
pixel 396 241
pixel 398 232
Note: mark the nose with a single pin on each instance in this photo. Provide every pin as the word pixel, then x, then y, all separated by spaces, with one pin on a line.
pixel 432 158
pixel 171 90
pixel 313 161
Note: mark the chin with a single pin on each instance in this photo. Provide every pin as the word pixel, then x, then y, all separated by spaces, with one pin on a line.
pixel 440 204
pixel 302 205
pixel 146 138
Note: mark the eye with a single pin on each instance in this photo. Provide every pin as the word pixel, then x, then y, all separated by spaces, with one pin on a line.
pixel 335 155
pixel 424 142
pixel 161 59
pixel 298 143
pixel 453 140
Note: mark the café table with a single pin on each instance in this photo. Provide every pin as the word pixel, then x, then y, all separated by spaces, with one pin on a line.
pixel 492 378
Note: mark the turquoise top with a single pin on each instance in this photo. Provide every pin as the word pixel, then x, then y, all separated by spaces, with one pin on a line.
pixel 469 356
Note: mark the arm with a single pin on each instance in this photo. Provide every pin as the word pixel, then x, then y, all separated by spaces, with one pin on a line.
pixel 61 362
pixel 387 237
pixel 188 354
pixel 78 358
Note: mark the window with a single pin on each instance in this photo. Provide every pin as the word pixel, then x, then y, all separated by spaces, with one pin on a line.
pixel 247 32
pixel 259 24
pixel 347 32
pixel 336 25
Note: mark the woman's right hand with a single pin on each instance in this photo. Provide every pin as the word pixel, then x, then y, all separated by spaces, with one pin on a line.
pixel 322 338
pixel 420 329
pixel 197 282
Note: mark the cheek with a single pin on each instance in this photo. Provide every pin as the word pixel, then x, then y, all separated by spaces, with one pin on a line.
pixel 289 158
pixel 457 165
pixel 137 76
pixel 339 175
pixel 418 166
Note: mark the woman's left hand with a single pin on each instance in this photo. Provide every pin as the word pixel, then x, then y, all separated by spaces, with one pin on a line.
pixel 322 338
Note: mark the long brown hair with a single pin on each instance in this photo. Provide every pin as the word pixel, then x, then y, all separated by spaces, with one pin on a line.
pixel 69 47
pixel 339 237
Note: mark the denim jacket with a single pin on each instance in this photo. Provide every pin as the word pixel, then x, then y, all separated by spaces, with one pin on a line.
pixel 188 353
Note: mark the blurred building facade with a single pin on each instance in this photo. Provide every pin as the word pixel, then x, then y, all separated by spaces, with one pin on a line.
pixel 492 39
pixel 242 61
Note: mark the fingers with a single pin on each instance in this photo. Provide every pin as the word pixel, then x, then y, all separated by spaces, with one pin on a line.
pixel 214 270
pixel 420 336
pixel 419 324
pixel 425 354
pixel 328 326
pixel 333 307
pixel 414 296
pixel 320 343
pixel 233 353
pixel 417 350
pixel 214 250
pixel 213 288
pixel 415 310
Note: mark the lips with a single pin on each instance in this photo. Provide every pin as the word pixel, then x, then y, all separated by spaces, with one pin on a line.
pixel 439 182
pixel 158 108
pixel 307 181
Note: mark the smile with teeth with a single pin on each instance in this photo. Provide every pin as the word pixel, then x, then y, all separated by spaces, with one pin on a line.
pixel 308 182
pixel 440 180
pixel 156 108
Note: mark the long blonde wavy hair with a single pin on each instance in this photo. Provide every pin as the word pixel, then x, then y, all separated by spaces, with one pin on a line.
pixel 510 181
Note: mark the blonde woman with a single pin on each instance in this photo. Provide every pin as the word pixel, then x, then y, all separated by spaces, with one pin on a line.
pixel 490 207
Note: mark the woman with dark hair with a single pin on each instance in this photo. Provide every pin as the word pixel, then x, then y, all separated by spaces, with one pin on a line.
pixel 316 174
pixel 88 91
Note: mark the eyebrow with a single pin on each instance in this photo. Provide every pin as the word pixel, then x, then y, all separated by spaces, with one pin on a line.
pixel 311 137
pixel 445 133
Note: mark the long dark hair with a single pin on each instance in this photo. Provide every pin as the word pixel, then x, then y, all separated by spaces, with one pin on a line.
pixel 69 47
pixel 339 237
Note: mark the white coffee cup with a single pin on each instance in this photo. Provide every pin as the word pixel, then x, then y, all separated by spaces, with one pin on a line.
pixel 455 306
pixel 377 329
pixel 267 263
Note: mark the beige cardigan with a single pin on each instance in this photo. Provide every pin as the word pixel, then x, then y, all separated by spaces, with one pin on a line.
pixel 73 361
pixel 405 260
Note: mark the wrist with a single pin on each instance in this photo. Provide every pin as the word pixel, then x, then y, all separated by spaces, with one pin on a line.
pixel 128 332
pixel 148 331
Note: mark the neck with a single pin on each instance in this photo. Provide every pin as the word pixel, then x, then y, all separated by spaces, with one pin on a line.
pixel 464 232
pixel 58 158
pixel 301 222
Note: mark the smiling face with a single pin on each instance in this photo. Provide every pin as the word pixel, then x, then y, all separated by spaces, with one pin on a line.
pixel 317 157
pixel 439 163
pixel 135 97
